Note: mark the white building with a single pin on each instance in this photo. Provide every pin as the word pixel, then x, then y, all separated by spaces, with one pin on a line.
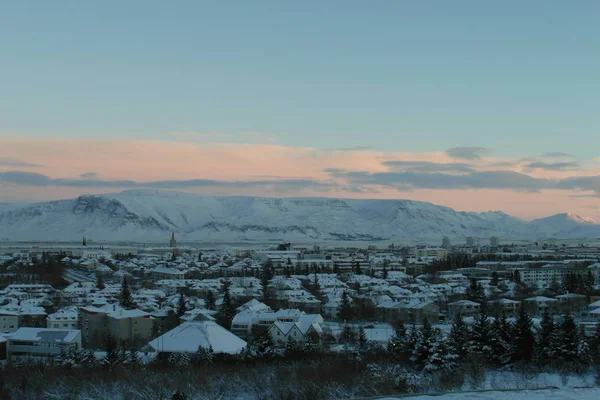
pixel 41 342
pixel 191 335
pixel 63 319
pixel 9 321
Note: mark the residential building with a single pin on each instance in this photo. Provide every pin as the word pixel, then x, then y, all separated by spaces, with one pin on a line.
pixel 437 252
pixel 41 342
pixel 507 307
pixel 308 325
pixel 66 318
pixel 572 303
pixel 539 305
pixel 126 326
pixel 191 335
pixel 9 321
pixel 463 308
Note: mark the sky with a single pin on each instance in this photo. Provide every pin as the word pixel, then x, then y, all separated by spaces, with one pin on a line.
pixel 474 105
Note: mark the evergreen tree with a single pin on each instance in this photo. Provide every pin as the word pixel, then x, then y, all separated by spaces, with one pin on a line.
pixel 500 339
pixel 476 293
pixel 210 300
pixel 204 356
pixel 479 340
pixel 267 275
pixel 458 338
pixel 199 256
pixel 398 344
pixel 112 352
pixel 125 298
pixel 429 353
pixel 357 268
pixel 179 395
pixel 100 282
pixel 384 274
pixel 362 339
pixel 546 343
pixel 292 350
pixel 595 345
pixel 346 311
pixel 181 310
pixel 523 339
pixel 517 277
pixel 346 336
pixel 226 310
pixel 495 279
pixel 132 357
pixel 309 347
pixel 568 341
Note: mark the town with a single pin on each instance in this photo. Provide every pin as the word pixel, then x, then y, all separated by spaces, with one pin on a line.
pixel 430 308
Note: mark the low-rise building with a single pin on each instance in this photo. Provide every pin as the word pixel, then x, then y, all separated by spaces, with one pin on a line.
pixel 9 321
pixel 539 305
pixel 41 342
pixel 463 308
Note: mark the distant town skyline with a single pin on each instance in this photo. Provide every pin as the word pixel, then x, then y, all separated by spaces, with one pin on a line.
pixel 472 105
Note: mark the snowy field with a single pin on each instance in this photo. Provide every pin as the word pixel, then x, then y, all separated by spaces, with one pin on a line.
pixel 551 394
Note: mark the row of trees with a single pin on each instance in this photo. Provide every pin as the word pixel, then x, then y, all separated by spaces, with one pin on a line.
pixel 496 342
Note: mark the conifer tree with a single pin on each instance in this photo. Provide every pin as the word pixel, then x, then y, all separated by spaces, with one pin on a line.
pixel 125 298
pixel 226 310
pixel 362 339
pixel 429 353
pixel 500 338
pixel 595 345
pixel 545 344
pixel 210 300
pixel 568 340
pixel 100 282
pixel 523 339
pixel 291 348
pixel 346 308
pixel 384 274
pixel 495 279
pixel 479 340
pixel 476 293
pixel 458 339
pixel 181 309
pixel 398 344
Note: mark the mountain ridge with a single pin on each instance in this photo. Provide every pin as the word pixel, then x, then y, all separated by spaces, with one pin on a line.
pixel 150 215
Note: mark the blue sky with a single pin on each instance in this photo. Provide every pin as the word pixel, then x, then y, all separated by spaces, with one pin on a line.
pixel 516 77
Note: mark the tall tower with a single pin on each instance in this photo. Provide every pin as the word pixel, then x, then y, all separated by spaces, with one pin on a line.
pixel 173 242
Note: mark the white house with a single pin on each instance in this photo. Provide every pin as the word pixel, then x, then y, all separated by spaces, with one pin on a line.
pixel 65 318
pixel 41 342
pixel 307 325
pixel 189 336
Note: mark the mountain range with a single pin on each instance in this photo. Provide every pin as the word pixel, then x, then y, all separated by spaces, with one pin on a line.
pixel 151 216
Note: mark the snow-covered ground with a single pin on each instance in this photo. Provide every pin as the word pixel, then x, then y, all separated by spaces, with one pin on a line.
pixel 550 394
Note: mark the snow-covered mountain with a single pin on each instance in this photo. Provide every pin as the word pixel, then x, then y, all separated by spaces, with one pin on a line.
pixel 150 215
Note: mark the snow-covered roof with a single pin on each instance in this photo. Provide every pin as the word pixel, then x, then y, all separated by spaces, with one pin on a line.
pixel 539 299
pixel 121 314
pixel 44 335
pixel 189 336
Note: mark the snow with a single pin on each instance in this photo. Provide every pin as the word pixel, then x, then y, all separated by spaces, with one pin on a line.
pixel 151 215
pixel 549 394
pixel 189 336
pixel 44 334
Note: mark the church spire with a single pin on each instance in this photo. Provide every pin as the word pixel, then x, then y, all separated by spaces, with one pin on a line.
pixel 173 242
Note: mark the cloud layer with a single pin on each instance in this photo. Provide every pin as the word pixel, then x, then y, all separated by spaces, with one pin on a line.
pixel 467 178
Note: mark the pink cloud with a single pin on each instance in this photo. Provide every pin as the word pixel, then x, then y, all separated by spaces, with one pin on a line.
pixel 153 160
